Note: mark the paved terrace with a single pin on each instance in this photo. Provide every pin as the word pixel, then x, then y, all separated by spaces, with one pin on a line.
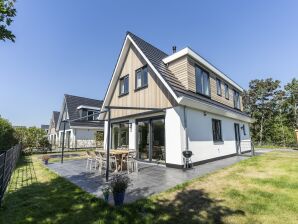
pixel 150 179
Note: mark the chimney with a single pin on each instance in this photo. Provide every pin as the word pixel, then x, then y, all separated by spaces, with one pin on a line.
pixel 174 49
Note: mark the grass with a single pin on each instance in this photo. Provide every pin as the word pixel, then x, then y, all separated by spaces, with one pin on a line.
pixel 275 147
pixel 261 189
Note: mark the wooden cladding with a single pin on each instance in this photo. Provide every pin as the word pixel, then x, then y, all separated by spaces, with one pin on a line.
pixel 184 69
pixel 155 95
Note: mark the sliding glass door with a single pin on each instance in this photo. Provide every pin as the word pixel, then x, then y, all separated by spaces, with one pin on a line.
pixel 143 140
pixel 158 140
pixel 151 140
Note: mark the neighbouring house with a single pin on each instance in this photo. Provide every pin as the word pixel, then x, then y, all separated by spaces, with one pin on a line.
pixel 45 127
pixel 81 116
pixel 191 104
pixel 53 134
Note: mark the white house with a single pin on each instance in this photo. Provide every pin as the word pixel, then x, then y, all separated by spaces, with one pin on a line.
pixel 52 133
pixel 81 116
pixel 183 101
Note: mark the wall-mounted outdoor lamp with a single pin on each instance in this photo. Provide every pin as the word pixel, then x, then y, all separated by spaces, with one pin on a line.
pixel 243 129
pixel 205 113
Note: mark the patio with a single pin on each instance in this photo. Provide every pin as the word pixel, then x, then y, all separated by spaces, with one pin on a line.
pixel 150 179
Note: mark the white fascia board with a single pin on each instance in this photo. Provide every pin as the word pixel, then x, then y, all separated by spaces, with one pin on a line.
pixel 114 80
pixel 213 109
pixel 88 107
pixel 116 72
pixel 153 68
pixel 194 55
pixel 63 108
pixel 90 128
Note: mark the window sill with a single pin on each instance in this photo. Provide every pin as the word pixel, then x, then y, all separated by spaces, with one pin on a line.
pixel 219 94
pixel 123 94
pixel 220 142
pixel 201 94
pixel 140 88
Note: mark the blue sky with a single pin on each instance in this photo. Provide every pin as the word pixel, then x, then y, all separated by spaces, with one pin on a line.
pixel 72 46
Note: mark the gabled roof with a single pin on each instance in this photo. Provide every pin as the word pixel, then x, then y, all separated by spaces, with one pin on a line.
pixel 155 59
pixel 71 104
pixel 44 126
pixel 56 117
pixel 155 56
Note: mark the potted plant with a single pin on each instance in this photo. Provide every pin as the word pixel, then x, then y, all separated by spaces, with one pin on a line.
pixel 119 184
pixel 106 193
pixel 45 159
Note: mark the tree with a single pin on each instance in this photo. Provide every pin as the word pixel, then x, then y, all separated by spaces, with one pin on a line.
pixel 34 136
pixel 259 103
pixel 99 138
pixel 291 102
pixel 20 134
pixel 7 136
pixel 44 143
pixel 7 12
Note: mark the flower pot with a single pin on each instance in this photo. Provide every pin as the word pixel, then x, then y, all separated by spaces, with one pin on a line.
pixel 119 198
pixel 46 162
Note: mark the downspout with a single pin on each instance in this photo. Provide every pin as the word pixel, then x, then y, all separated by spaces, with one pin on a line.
pixel 185 128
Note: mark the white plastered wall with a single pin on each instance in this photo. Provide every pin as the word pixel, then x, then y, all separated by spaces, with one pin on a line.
pixel 200 136
pixel 174 135
pixel 85 138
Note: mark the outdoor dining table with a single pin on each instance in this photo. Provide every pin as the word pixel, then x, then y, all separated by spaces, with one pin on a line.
pixel 118 154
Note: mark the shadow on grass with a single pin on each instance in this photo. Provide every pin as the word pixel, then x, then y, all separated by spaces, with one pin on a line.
pixel 59 201
pixel 188 206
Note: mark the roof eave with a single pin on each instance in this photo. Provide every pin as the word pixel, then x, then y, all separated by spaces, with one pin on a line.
pixel 196 104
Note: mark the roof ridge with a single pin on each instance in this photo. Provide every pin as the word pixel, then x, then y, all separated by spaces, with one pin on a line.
pixel 68 95
pixel 132 34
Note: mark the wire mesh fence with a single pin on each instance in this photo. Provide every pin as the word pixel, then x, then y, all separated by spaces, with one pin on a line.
pixel 8 161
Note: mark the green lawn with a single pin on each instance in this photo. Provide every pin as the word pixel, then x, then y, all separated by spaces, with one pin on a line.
pixel 262 189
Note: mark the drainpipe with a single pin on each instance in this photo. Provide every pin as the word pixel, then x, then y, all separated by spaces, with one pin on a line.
pixel 185 128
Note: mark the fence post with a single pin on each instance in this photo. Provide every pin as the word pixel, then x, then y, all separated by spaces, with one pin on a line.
pixel 252 148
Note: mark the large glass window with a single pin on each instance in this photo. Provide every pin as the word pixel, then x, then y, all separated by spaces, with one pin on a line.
pixel 151 140
pixel 120 135
pixel 227 95
pixel 218 87
pixel 141 77
pixel 123 88
pixel 216 130
pixel 202 81
pixel 236 99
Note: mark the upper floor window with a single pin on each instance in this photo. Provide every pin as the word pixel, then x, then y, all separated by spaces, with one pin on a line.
pixel 216 130
pixel 90 115
pixel 202 81
pixel 236 99
pixel 227 95
pixel 123 87
pixel 141 77
pixel 218 87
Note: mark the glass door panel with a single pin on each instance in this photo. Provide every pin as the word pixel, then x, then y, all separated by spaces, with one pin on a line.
pixel 143 140
pixel 158 140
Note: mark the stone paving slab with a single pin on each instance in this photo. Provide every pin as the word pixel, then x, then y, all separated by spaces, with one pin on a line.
pixel 150 179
